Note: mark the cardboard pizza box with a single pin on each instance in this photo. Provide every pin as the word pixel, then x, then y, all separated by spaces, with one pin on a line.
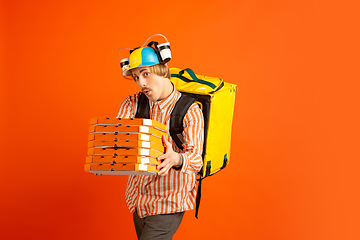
pixel 126 144
pixel 121 169
pixel 126 136
pixel 122 160
pixel 126 129
pixel 128 121
pixel 124 152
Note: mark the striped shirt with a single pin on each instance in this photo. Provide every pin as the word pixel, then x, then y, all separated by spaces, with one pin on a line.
pixel 175 192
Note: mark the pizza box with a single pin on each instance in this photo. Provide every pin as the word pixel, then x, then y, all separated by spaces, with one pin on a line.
pixel 124 152
pixel 122 160
pixel 121 169
pixel 126 144
pixel 128 121
pixel 126 136
pixel 126 129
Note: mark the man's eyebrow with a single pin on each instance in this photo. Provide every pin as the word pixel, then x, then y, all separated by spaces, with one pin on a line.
pixel 134 75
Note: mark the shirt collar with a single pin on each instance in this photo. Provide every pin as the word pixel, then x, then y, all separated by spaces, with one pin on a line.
pixel 164 103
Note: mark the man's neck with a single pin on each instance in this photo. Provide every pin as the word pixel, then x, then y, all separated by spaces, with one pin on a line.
pixel 168 89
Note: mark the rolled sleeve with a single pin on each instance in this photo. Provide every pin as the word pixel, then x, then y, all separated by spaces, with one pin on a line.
pixel 128 107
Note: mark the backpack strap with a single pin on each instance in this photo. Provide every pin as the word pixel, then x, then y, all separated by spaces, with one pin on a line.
pixel 143 107
pixel 177 116
pixel 198 197
pixel 176 125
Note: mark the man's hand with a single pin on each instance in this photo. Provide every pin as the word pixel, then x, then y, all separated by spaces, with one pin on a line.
pixel 169 159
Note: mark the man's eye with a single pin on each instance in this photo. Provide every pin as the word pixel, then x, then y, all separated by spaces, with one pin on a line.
pixel 146 74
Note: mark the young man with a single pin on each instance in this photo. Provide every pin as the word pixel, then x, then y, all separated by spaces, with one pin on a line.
pixel 158 202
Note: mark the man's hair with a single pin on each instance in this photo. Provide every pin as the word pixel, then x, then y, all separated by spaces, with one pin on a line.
pixel 161 70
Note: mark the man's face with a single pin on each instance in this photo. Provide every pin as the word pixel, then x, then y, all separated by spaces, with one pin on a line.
pixel 150 84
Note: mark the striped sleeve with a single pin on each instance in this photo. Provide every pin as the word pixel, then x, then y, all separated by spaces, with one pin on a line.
pixel 128 107
pixel 193 140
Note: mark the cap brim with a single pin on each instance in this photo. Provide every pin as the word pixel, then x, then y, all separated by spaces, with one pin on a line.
pixel 127 73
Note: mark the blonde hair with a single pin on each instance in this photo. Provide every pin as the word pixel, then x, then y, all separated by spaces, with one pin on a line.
pixel 161 70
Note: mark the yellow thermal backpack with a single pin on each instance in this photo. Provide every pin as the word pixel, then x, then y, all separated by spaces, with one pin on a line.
pixel 216 99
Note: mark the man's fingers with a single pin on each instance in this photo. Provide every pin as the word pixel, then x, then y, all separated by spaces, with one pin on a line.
pixel 168 159
pixel 162 157
pixel 166 143
pixel 164 171
pixel 163 164
pixel 164 167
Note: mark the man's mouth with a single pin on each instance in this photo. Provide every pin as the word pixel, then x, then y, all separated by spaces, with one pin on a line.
pixel 146 91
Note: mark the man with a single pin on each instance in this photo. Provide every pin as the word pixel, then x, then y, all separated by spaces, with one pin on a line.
pixel 158 202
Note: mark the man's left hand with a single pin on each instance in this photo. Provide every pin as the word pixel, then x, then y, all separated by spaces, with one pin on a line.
pixel 169 159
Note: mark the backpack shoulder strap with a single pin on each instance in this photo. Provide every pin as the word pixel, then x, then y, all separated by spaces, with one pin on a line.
pixel 177 116
pixel 143 107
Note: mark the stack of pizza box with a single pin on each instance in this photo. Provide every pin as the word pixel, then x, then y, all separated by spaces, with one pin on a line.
pixel 124 146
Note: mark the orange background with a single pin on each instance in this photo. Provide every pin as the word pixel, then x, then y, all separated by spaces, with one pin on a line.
pixel 293 171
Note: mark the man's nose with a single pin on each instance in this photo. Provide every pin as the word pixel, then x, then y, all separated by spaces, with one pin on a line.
pixel 142 82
